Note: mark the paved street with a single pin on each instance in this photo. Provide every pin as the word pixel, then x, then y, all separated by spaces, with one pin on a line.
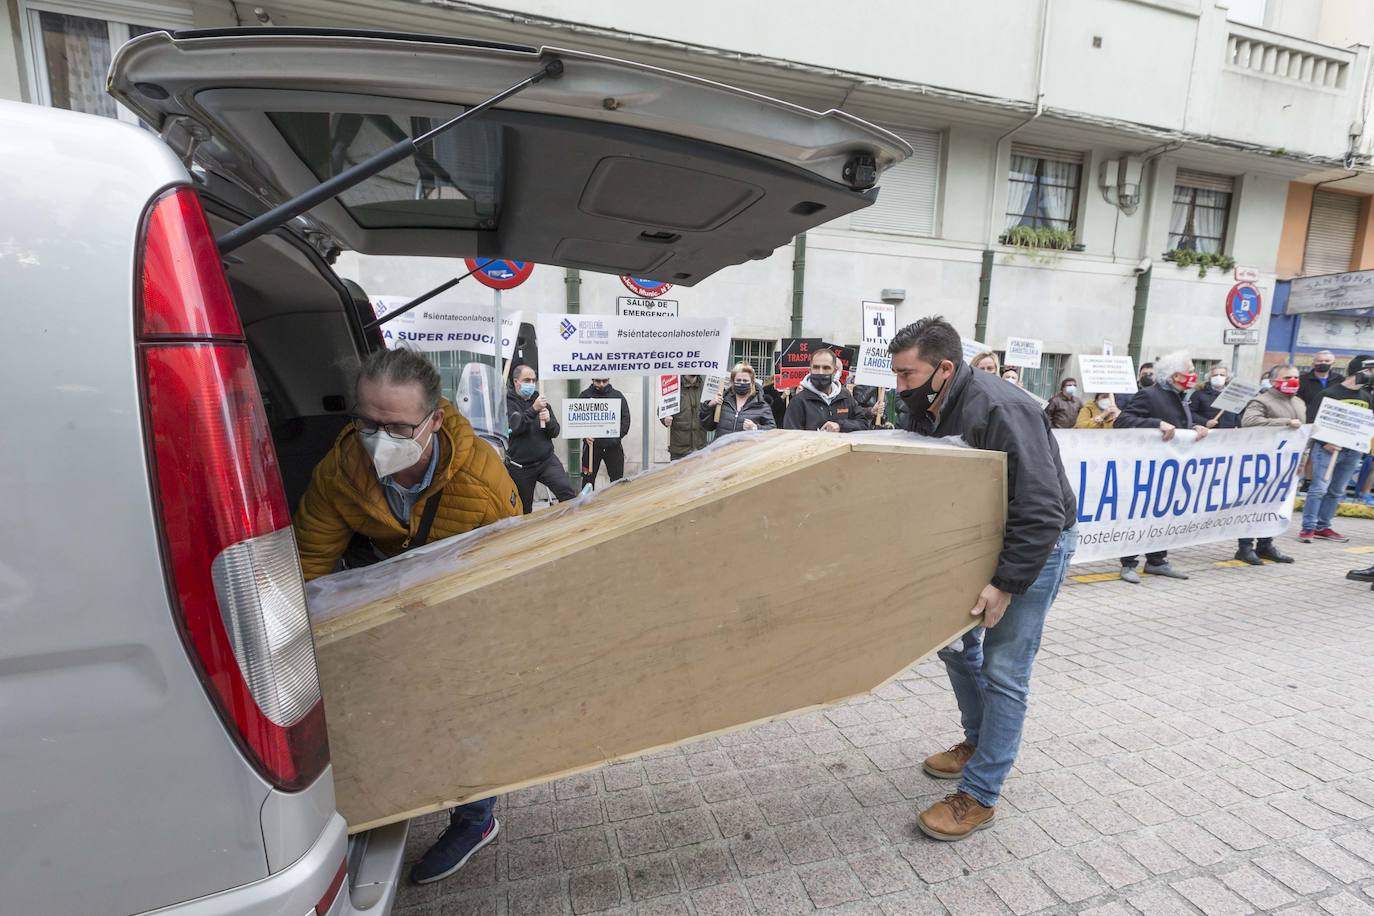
pixel 1202 746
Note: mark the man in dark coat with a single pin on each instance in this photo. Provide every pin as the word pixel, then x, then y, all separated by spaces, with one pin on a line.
pixel 1204 395
pixel 1161 406
pixel 609 451
pixel 1314 381
pixel 822 403
pixel 530 458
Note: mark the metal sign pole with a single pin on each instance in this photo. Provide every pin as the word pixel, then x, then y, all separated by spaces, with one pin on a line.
pixel 496 308
pixel 644 425
pixel 1235 358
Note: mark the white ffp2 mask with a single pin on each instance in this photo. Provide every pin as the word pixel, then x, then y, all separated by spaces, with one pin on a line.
pixel 391 455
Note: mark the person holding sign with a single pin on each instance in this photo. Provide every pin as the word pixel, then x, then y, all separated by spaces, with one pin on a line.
pixel 1278 406
pixel 532 428
pixel 1204 397
pixel 822 403
pixel 742 408
pixel 1161 406
pixel 1332 465
pixel 685 432
pixel 990 666
pixel 1100 413
pixel 609 451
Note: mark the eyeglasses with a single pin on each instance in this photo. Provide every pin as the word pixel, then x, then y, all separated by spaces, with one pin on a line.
pixel 394 430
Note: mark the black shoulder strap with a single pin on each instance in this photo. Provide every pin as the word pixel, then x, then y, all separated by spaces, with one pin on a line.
pixel 426 520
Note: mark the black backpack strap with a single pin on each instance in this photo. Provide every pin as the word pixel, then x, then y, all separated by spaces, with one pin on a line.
pixel 426 520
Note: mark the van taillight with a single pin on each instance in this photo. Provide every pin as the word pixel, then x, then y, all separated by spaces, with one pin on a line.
pixel 226 530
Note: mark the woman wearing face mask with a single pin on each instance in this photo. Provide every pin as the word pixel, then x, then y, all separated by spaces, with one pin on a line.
pixel 742 408
pixel 822 403
pixel 1099 413
pixel 530 457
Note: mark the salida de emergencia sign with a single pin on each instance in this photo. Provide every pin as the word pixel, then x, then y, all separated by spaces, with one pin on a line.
pixel 591 418
pixel 577 346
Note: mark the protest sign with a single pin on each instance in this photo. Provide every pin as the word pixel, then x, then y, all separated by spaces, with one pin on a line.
pixel 578 346
pixel 1346 425
pixel 794 361
pixel 591 418
pixel 874 363
pixel 1023 352
pixel 646 308
pixel 846 357
pixel 1233 397
pixel 973 347
pixel 1137 493
pixel 669 396
pixel 440 326
pixel 1113 374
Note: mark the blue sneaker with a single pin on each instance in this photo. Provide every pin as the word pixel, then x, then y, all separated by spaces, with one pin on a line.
pixel 458 843
pixel 1368 499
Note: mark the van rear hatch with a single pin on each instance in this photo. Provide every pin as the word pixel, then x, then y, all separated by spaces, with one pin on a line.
pixel 613 167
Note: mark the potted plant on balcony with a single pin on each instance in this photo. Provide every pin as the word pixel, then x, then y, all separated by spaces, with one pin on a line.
pixel 1042 240
pixel 1203 260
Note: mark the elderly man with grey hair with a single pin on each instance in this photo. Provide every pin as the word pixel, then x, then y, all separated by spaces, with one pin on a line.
pixel 1162 406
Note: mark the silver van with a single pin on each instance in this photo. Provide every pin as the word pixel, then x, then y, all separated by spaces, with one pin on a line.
pixel 163 742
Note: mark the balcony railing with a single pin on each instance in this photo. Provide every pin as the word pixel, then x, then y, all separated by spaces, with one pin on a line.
pixel 1281 56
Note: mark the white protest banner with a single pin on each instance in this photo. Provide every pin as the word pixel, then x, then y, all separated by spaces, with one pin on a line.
pixel 1233 397
pixel 1137 493
pixel 646 308
pixel 577 346
pixel 973 347
pixel 591 418
pixel 1346 425
pixel 1023 352
pixel 1113 374
pixel 875 364
pixel 437 326
pixel 669 396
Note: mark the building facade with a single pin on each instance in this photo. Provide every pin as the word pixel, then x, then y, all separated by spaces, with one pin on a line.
pixel 1074 159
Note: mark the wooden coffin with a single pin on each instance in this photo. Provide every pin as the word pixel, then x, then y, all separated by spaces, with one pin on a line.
pixel 766 576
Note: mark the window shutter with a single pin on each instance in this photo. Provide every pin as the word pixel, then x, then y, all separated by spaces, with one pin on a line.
pixel 1045 152
pixel 906 196
pixel 1331 234
pixel 1205 181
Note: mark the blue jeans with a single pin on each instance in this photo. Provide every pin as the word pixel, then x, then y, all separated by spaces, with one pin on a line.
pixel 1326 490
pixel 990 671
pixel 473 813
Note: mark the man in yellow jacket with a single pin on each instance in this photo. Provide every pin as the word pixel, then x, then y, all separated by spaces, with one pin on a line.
pixel 406 470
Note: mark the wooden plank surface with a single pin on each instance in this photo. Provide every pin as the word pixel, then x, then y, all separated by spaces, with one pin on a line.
pixel 791 571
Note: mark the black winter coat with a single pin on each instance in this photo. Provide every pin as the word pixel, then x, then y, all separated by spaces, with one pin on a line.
pixel 1201 406
pixel 610 392
pixel 808 410
pixel 529 443
pixel 1152 405
pixel 990 414
pixel 732 419
pixel 1310 390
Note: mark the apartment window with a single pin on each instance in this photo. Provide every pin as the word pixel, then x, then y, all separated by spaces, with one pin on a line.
pixel 68 48
pixel 1202 208
pixel 757 353
pixel 1042 188
pixel 907 191
pixel 1331 231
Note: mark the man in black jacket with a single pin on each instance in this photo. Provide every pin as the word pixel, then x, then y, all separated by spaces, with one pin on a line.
pixel 1201 402
pixel 990 667
pixel 530 457
pixel 822 402
pixel 1161 406
pixel 610 451
pixel 1314 381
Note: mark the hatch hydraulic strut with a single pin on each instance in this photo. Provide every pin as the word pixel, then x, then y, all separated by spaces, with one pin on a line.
pixel 282 214
pixel 420 300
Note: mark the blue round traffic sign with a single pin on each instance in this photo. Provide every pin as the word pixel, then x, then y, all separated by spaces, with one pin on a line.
pixel 646 288
pixel 500 273
pixel 1243 305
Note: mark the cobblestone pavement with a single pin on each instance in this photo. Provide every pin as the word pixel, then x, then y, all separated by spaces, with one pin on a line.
pixel 1202 746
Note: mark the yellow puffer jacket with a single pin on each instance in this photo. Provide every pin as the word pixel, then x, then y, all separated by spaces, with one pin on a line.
pixel 345 496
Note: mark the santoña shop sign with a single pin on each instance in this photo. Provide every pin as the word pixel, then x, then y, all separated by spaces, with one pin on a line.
pixel 1136 493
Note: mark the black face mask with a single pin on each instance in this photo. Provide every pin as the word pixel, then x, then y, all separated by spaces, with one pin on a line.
pixel 1320 369
pixel 821 380
pixel 742 387
pixel 1146 381
pixel 919 399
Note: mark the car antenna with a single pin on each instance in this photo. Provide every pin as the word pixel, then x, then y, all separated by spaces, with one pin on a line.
pixel 420 300
pixel 402 149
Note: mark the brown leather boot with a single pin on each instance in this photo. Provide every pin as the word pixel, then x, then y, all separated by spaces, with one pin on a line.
pixel 949 764
pixel 955 818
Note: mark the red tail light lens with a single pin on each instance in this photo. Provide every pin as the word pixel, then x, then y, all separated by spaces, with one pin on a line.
pixel 225 525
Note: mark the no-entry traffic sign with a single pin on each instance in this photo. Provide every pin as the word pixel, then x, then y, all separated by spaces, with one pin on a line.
pixel 1243 305
pixel 500 273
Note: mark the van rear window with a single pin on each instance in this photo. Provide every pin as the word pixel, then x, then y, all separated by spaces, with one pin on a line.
pixel 454 182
